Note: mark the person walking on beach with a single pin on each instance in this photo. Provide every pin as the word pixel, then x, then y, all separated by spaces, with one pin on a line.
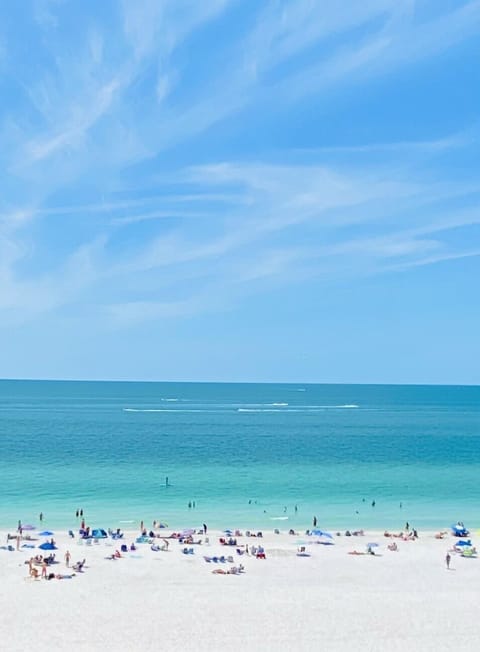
pixel 447 560
pixel 67 558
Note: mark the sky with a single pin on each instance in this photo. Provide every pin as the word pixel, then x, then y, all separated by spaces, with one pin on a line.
pixel 234 190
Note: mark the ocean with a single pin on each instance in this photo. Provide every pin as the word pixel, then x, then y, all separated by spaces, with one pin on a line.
pixel 258 456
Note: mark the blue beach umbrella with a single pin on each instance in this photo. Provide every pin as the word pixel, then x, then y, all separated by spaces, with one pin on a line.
pixel 47 546
pixel 47 533
pixel 321 533
pixel 464 542
pixel 372 545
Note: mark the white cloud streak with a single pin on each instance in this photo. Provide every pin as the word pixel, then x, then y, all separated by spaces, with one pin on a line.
pixel 231 225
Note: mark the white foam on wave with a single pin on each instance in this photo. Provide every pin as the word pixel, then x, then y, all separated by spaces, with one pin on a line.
pixel 259 410
pixel 300 408
pixel 162 410
pixel 279 518
pixel 280 410
pixel 169 400
pixel 330 407
pixel 278 404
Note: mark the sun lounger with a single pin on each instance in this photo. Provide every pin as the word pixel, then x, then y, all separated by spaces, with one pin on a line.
pixel 78 567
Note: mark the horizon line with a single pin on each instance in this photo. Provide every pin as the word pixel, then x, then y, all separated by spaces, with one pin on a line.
pixel 237 382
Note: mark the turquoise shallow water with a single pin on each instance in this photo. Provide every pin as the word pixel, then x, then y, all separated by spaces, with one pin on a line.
pixel 245 453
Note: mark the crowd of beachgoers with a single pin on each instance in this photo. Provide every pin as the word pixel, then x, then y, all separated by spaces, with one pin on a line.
pixel 226 550
pixel 289 586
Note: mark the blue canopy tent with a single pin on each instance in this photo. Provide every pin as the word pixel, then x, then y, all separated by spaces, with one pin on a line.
pixel 99 533
pixel 459 530
pixel 45 533
pixel 464 542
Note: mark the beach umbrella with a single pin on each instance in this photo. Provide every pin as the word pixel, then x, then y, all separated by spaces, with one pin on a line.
pixel 372 545
pixel 28 527
pixel 321 533
pixel 46 533
pixel 187 532
pixel 47 546
pixel 466 542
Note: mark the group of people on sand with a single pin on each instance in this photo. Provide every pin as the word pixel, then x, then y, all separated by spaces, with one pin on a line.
pixel 405 536
pixel 233 570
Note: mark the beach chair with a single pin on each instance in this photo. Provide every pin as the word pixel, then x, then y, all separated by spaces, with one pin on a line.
pixel 71 534
pixel 78 567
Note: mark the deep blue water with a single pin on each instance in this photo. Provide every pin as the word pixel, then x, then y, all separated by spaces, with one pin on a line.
pixel 245 453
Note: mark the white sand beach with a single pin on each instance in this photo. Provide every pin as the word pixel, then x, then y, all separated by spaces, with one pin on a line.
pixel 165 600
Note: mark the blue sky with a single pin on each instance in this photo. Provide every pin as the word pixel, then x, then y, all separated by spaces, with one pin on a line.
pixel 239 190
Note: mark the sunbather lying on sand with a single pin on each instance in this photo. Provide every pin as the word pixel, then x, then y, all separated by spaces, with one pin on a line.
pixel 234 570
pixel 441 535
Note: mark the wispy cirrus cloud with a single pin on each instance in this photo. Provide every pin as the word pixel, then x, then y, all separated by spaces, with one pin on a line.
pixel 131 157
